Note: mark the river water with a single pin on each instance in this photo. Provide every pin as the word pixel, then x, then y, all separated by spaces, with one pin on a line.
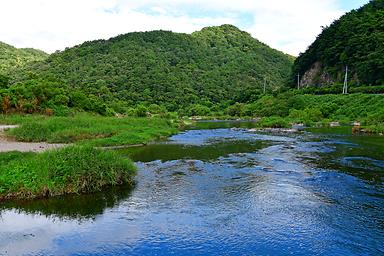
pixel 219 190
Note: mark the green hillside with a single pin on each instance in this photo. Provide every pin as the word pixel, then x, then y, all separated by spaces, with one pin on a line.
pixel 11 57
pixel 355 40
pixel 209 68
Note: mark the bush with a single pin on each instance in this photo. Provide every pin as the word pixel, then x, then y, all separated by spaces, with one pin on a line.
pixel 271 106
pixel 273 122
pixel 328 109
pixel 141 111
pixel 236 110
pixel 198 110
pixel 72 169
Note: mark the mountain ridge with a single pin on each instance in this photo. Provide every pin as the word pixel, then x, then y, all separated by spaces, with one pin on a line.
pixel 213 66
pixel 355 40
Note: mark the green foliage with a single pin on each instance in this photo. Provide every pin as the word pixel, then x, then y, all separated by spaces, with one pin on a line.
pixel 198 110
pixel 273 122
pixel 356 40
pixel 236 110
pixel 4 82
pixel 141 111
pixel 337 89
pixel 156 109
pixel 89 129
pixel 310 109
pixel 177 72
pixel 11 57
pixel 77 168
pixel 307 116
pixel 378 128
pixel 73 169
pixel 270 106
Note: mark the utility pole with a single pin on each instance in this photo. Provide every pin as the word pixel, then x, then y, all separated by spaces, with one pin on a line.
pixel 298 81
pixel 265 83
pixel 345 87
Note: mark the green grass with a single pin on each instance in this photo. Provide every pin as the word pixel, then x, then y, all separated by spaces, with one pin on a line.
pixel 87 129
pixel 289 107
pixel 73 169
pixel 379 128
pixel 77 168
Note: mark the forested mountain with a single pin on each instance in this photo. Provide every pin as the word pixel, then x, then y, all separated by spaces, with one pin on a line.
pixel 212 67
pixel 11 57
pixel 355 40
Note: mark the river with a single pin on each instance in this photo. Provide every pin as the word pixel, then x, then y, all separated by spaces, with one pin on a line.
pixel 219 189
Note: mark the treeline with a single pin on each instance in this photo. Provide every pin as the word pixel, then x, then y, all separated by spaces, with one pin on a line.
pixel 52 97
pixel 46 96
pixel 355 40
pixel 289 107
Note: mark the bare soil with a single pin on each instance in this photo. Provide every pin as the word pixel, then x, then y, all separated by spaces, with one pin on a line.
pixel 7 144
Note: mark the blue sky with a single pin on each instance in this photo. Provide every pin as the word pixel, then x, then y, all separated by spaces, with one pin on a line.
pixel 352 4
pixel 50 25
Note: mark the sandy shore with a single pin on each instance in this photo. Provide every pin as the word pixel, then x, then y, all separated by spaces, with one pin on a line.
pixel 7 145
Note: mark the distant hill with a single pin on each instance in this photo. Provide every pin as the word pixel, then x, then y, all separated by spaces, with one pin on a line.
pixel 11 57
pixel 213 66
pixel 355 40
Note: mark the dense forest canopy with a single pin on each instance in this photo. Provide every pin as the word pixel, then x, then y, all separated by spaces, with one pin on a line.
pixel 11 57
pixel 355 40
pixel 208 69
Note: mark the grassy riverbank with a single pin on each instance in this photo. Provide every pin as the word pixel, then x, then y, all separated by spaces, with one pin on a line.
pixel 283 109
pixel 87 129
pixel 323 109
pixel 77 168
pixel 287 122
pixel 74 169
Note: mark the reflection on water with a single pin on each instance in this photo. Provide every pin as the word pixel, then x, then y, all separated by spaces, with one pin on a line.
pixel 223 124
pixel 220 192
pixel 80 207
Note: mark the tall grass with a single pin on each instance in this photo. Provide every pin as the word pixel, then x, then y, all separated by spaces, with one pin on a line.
pixel 88 129
pixel 78 168
pixel 74 169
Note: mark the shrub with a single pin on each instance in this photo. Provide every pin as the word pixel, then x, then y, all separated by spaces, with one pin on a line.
pixel 236 110
pixel 141 111
pixel 273 122
pixel 72 169
pixel 198 110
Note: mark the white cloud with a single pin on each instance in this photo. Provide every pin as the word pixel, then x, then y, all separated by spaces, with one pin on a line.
pixel 52 25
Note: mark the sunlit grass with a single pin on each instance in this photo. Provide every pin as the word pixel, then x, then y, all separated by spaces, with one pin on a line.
pixel 88 129
pixel 73 169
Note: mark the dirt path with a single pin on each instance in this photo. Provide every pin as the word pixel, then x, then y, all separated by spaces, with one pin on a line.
pixel 7 145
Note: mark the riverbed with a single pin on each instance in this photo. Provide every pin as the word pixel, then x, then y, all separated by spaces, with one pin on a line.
pixel 219 189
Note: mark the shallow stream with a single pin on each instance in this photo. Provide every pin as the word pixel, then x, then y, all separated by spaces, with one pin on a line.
pixel 218 189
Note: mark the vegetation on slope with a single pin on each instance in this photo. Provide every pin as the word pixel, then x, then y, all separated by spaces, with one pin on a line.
pixel 11 57
pixel 213 68
pixel 355 40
